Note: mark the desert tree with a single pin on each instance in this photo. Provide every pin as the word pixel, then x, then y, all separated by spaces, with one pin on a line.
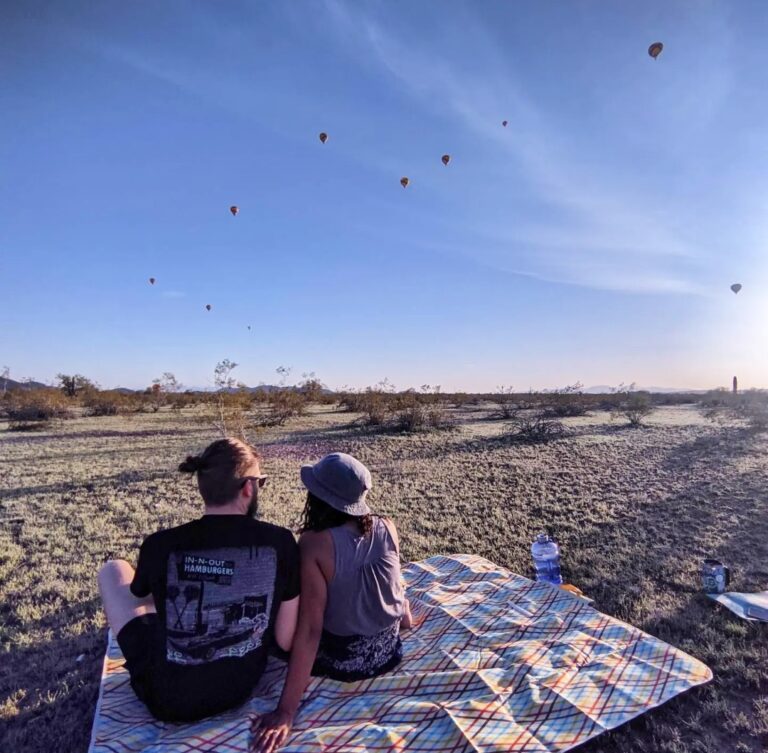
pixel 162 389
pixel 73 384
pixel 230 402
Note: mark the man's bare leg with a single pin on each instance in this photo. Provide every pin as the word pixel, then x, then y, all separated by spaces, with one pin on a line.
pixel 120 605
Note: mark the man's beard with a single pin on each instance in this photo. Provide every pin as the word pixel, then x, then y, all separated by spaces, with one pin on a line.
pixel 253 506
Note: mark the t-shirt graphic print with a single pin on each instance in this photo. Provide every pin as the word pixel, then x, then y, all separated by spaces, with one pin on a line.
pixel 218 602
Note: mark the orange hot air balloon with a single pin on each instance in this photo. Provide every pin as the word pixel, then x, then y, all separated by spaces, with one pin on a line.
pixel 655 49
pixel 208 307
pixel 323 137
pixel 404 182
pixel 736 287
pixel 234 210
pixel 446 158
pixel 151 280
pixel 504 123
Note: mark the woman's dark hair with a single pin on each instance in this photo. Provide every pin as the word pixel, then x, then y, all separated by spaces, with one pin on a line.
pixel 220 468
pixel 319 516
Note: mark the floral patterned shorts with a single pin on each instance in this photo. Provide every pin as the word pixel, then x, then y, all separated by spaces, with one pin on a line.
pixel 357 657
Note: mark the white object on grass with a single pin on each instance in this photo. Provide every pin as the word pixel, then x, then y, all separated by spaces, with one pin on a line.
pixel 753 607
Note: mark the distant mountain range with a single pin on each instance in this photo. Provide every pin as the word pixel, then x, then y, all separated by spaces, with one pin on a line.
pixel 598 389
pixel 260 388
pixel 12 384
pixel 603 389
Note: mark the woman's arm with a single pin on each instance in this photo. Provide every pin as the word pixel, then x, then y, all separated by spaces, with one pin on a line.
pixel 406 621
pixel 274 728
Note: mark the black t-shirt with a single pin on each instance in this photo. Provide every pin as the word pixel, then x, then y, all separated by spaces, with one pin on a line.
pixel 218 583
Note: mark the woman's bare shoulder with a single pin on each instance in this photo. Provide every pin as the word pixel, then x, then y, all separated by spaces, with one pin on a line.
pixel 315 541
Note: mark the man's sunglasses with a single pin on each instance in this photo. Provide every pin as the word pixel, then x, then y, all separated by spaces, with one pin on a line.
pixel 260 480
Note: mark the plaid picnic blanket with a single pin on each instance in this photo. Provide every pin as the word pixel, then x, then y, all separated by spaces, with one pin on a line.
pixel 495 662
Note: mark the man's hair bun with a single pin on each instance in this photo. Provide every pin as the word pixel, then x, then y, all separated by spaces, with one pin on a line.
pixel 192 464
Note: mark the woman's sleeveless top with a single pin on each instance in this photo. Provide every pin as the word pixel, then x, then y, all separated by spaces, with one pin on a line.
pixel 361 626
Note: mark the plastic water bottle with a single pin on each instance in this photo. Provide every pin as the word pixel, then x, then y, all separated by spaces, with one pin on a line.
pixel 546 559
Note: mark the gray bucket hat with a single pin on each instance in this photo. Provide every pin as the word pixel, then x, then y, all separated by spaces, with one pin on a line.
pixel 340 481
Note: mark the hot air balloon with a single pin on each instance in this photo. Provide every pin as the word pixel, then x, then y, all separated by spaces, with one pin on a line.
pixel 736 287
pixel 249 327
pixel 404 182
pixel 208 307
pixel 446 158
pixel 234 210
pixel 655 49
pixel 323 137
pixel 151 280
pixel 504 123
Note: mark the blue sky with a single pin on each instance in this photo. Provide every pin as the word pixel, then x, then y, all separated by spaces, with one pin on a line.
pixel 593 239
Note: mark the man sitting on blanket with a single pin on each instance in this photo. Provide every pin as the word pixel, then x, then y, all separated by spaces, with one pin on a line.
pixel 197 618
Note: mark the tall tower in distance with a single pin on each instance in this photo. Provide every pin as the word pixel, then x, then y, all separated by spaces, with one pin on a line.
pixel 735 385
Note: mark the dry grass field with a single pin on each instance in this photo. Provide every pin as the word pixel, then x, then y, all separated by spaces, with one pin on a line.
pixel 635 511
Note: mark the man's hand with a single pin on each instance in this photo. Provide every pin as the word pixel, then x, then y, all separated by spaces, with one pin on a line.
pixel 271 731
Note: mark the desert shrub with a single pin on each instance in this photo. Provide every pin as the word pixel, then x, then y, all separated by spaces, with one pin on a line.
pixel 534 426
pixel 419 412
pixel 630 404
pixel 506 402
pixel 460 399
pixel 107 403
pixel 749 407
pixel 566 402
pixel 180 400
pixel 375 405
pixel 348 400
pixel 34 409
pixel 719 398
pixel 282 404
pixel 314 391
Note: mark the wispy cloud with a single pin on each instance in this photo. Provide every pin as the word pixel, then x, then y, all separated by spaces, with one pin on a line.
pixel 600 232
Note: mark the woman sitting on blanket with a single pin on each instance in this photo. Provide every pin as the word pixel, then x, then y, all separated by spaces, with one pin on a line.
pixel 352 599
